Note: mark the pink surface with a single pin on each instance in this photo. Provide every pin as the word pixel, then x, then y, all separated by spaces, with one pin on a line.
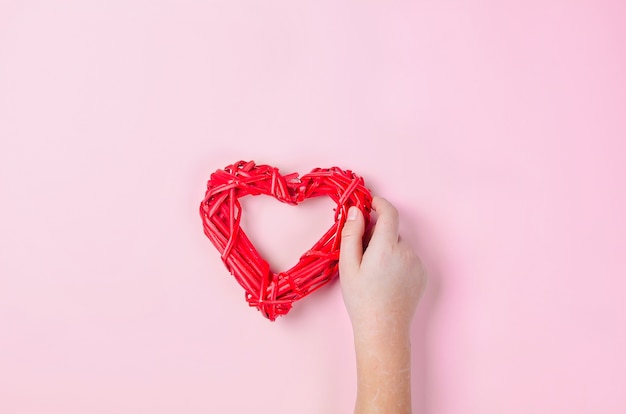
pixel 497 128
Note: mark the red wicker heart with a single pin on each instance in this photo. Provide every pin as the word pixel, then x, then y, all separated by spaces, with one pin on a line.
pixel 273 294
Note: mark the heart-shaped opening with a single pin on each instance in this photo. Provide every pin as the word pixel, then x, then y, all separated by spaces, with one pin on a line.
pixel 281 232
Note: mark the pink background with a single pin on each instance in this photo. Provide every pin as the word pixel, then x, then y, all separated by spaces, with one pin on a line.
pixel 498 128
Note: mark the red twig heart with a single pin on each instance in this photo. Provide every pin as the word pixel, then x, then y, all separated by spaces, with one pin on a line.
pixel 273 294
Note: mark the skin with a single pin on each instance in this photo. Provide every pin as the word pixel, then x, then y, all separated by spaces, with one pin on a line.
pixel 381 288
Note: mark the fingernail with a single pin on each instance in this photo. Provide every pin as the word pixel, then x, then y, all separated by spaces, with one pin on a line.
pixel 352 212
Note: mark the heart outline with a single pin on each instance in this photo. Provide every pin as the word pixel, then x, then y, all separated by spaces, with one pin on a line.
pixel 274 293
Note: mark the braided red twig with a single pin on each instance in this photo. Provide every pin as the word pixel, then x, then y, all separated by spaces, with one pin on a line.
pixel 273 294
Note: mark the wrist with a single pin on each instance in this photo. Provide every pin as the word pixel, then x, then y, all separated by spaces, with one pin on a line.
pixel 382 342
pixel 375 331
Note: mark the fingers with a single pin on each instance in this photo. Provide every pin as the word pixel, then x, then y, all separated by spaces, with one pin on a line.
pixel 351 250
pixel 387 225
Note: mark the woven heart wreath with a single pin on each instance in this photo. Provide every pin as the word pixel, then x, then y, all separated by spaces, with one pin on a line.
pixel 274 293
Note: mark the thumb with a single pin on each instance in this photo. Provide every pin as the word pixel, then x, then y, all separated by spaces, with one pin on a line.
pixel 351 249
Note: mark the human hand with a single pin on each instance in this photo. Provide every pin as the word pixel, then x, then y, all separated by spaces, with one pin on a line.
pixel 382 286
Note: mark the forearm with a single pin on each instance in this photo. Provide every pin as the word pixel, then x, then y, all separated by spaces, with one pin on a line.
pixel 383 374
